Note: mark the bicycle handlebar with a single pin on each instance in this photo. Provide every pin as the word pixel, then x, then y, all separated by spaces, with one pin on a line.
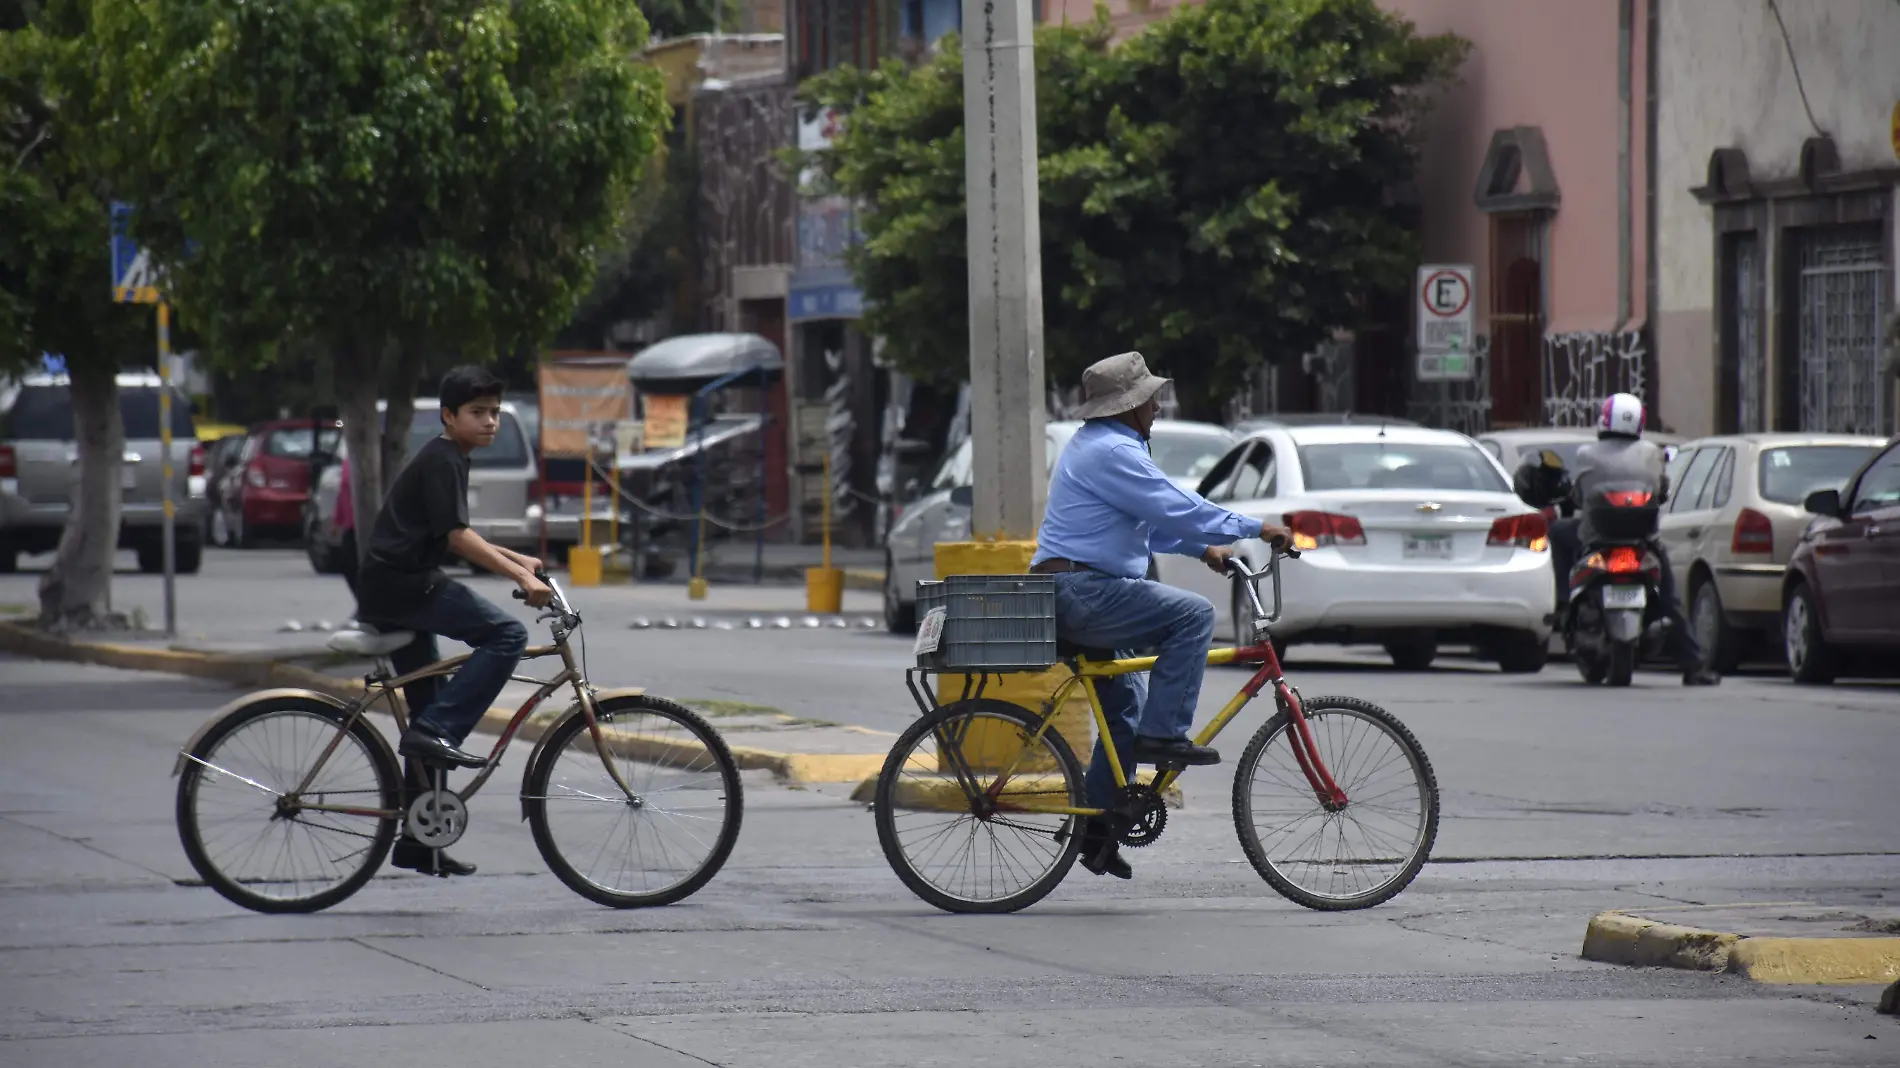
pixel 1252 578
pixel 557 604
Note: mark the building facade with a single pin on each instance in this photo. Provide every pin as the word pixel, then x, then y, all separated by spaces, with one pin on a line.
pixel 1778 136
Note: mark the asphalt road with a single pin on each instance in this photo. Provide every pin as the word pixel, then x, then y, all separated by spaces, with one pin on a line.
pixel 1558 801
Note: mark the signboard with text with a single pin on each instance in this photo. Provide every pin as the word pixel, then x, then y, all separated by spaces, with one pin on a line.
pixel 1446 335
pixel 577 397
pixel 666 417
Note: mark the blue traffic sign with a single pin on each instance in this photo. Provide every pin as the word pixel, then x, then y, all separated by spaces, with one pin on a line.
pixel 133 279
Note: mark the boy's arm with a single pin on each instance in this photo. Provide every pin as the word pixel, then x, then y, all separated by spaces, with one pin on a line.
pixel 533 565
pixel 476 549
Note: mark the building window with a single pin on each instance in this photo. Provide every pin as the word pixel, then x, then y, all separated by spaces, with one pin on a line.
pixel 1744 356
pixel 1840 304
pixel 832 33
pixel 1516 318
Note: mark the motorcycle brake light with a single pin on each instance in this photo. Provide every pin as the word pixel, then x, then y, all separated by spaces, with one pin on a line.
pixel 1623 560
pixel 1627 498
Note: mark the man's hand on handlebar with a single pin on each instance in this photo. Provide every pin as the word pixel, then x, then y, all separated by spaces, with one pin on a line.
pixel 1216 557
pixel 534 591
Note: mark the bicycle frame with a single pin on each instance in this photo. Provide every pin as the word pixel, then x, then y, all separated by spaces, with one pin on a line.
pixel 1084 672
pixel 381 685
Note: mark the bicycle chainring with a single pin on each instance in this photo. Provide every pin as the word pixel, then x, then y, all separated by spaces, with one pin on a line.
pixel 1147 811
pixel 437 819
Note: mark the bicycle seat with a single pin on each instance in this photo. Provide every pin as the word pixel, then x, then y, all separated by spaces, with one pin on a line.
pixel 1067 649
pixel 366 640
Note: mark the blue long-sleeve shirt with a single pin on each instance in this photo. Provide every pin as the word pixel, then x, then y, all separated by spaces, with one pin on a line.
pixel 1110 506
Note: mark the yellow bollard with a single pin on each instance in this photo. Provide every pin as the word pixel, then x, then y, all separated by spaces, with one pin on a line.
pixel 583 560
pixel 990 741
pixel 824 586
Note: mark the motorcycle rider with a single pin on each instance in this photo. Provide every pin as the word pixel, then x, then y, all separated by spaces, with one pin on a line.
pixel 1620 456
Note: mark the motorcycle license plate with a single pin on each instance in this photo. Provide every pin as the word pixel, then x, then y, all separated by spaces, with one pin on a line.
pixel 1624 597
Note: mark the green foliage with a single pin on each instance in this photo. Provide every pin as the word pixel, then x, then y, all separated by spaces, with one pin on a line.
pixel 55 263
pixel 365 170
pixel 677 18
pixel 1214 192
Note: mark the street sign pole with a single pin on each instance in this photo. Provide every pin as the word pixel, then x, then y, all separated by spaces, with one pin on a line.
pixel 165 466
pixel 134 282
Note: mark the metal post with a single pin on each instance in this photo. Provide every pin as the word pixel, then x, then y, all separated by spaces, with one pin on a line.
pixel 165 462
pixel 1005 242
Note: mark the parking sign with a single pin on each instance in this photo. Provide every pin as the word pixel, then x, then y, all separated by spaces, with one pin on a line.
pixel 1445 335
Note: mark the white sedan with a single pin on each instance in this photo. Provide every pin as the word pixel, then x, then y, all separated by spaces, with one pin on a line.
pixel 1409 537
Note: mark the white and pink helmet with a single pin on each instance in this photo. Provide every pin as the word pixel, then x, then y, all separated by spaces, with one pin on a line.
pixel 1622 414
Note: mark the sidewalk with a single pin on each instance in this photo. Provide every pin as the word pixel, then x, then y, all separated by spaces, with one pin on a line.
pixel 1772 942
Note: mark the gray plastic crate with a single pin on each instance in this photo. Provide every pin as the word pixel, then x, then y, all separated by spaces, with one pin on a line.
pixel 994 622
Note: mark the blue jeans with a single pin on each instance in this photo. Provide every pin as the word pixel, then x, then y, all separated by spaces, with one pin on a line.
pixel 452 709
pixel 1105 612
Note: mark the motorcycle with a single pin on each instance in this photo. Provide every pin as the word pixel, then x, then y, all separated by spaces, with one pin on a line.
pixel 1610 611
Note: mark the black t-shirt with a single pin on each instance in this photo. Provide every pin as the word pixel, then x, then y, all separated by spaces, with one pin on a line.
pixel 410 541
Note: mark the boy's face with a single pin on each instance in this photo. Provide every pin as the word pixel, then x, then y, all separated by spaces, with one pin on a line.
pixel 473 425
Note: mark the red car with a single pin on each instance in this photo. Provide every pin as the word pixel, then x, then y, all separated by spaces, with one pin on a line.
pixel 268 481
pixel 1843 583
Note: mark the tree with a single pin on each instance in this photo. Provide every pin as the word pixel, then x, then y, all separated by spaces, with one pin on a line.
pixel 1216 191
pixel 55 281
pixel 390 177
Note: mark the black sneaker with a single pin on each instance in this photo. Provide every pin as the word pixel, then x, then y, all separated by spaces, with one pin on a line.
pixel 1169 752
pixel 1099 851
pixel 417 857
pixel 1701 676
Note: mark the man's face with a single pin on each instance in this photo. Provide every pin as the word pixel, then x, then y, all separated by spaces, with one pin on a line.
pixel 1143 418
pixel 474 424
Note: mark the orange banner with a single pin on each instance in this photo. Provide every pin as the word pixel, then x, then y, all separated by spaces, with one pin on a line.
pixel 576 398
pixel 666 420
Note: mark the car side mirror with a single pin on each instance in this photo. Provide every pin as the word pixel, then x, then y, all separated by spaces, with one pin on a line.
pixel 963 496
pixel 1824 502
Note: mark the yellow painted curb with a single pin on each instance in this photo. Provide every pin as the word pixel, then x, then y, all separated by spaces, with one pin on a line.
pixel 1618 937
pixel 261 674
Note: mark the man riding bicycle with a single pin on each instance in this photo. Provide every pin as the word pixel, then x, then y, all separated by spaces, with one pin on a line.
pixel 1109 508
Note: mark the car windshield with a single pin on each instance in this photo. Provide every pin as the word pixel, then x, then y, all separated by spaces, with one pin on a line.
pixel 1186 455
pixel 1378 465
pixel 509 448
pixel 1789 474
pixel 293 443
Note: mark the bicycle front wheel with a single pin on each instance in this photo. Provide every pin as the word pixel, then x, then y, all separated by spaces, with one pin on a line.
pixel 1357 856
pixel 948 839
pixel 665 841
pixel 267 849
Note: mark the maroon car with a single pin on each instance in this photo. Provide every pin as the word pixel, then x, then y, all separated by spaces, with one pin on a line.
pixel 264 491
pixel 1843 583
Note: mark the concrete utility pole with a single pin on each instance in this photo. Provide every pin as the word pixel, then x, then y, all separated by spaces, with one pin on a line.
pixel 1006 383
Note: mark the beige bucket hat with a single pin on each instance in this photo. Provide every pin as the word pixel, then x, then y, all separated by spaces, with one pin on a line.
pixel 1116 385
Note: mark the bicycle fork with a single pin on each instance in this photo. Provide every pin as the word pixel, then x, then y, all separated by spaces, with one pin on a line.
pixel 1306 751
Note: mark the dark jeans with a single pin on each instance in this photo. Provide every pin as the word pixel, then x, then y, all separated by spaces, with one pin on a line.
pixel 1566 548
pixel 451 709
pixel 1106 612
pixel 346 559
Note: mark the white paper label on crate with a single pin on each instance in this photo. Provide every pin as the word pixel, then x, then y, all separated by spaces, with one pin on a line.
pixel 930 631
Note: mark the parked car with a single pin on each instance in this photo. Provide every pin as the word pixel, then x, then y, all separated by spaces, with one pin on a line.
pixel 1185 451
pixel 1843 581
pixel 264 492
pixel 39 462
pixel 1735 513
pixel 1409 538
pixel 501 486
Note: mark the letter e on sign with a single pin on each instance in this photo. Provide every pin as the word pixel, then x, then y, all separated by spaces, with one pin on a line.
pixel 1444 308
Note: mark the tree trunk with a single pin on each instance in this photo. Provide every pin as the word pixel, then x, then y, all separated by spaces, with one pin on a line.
pixel 77 592
pixel 402 406
pixel 356 370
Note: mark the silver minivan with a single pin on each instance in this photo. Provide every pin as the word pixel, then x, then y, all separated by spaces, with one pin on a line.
pixel 39 463
pixel 501 485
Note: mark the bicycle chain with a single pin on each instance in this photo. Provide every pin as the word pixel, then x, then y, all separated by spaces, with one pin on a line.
pixel 1148 811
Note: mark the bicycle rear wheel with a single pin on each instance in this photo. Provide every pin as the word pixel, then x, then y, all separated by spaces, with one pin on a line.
pixel 260 847
pixel 1362 854
pixel 939 833
pixel 667 840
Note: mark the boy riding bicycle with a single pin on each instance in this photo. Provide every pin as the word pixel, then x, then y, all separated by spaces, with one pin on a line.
pixel 400 585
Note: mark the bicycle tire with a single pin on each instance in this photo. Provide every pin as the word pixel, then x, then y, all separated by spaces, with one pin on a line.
pixel 1249 839
pixel 389 785
pixel 534 786
pixel 887 789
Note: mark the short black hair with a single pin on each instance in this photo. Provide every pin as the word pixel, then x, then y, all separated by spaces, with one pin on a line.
pixel 468 383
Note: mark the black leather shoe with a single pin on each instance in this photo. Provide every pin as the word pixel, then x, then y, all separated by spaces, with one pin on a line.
pixel 415 856
pixel 434 751
pixel 1167 751
pixel 1701 676
pixel 1100 852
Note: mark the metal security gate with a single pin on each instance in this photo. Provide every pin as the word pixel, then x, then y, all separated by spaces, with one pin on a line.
pixel 1842 301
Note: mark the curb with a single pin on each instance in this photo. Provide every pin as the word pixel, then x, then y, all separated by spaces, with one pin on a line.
pixel 263 673
pixel 1619 937
pixel 942 793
